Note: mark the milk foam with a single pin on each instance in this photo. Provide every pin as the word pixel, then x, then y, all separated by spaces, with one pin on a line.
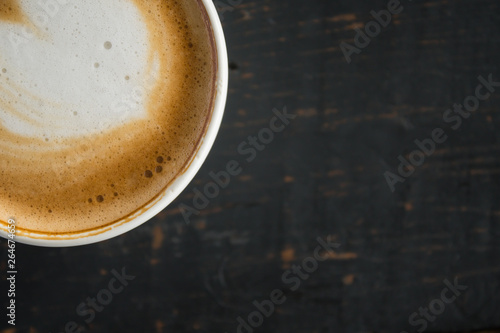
pixel 103 103
pixel 76 68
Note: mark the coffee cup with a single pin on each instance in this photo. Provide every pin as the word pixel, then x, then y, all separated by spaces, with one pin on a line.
pixel 129 189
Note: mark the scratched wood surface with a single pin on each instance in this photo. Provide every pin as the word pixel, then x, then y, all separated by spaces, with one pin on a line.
pixel 322 176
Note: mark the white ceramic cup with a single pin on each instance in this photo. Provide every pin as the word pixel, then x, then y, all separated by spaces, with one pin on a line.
pixel 176 187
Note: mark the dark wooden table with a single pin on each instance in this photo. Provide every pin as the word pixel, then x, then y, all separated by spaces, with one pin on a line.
pixel 321 179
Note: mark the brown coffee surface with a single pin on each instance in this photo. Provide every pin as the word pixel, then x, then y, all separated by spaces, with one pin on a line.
pixel 71 185
pixel 10 11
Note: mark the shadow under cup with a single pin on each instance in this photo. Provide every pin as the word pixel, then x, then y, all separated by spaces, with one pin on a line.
pixel 177 185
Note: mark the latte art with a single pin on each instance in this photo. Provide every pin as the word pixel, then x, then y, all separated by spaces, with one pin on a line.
pixel 102 104
pixel 55 65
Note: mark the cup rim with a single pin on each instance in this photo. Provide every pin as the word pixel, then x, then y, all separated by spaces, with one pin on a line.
pixel 173 190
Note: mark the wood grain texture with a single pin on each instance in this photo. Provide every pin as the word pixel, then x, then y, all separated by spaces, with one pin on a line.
pixel 321 177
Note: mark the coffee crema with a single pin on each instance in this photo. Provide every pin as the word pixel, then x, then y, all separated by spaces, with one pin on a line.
pixel 103 104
